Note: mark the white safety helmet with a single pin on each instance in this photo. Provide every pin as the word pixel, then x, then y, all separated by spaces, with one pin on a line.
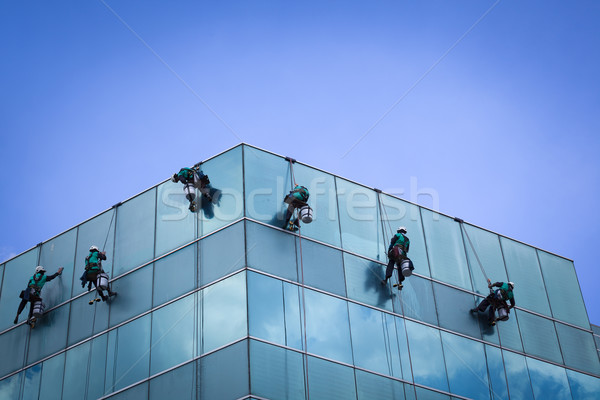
pixel 94 248
pixel 402 229
pixel 512 285
pixel 39 269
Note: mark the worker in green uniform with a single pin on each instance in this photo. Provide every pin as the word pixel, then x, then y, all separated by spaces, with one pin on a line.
pixel 193 179
pixel 33 291
pixel 397 252
pixel 497 299
pixel 93 267
pixel 296 199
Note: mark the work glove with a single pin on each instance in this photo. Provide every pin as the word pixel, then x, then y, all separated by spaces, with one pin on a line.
pixel 60 270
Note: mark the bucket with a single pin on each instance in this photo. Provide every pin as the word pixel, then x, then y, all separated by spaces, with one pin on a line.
pixel 405 267
pixel 502 314
pixel 306 214
pixel 102 281
pixel 189 190
pixel 38 308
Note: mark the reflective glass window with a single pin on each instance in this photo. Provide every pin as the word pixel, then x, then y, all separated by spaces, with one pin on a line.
pixel 11 387
pixel 175 384
pixel 509 332
pixel 31 384
pixel 374 340
pixel 175 224
pixel 360 220
pixel 363 281
pixel 76 372
pixel 548 381
pixel 52 378
pixel 487 248
pixel 466 366
pixel 134 295
pixel 100 232
pixel 446 249
pixel 327 380
pixel 322 267
pixel 497 376
pixel 49 335
pixel 578 349
pixel 172 334
pixel 271 251
pixel 221 253
pixel 327 326
pixel 524 270
pixel 539 336
pixel 174 275
pixel 17 273
pixel 135 232
pixel 266 308
pixel 215 369
pixel 59 252
pixel 517 376
pixel 227 190
pixel 416 300
pixel 293 318
pixel 97 368
pixel 424 394
pixel 371 386
pixel 276 373
pixel 583 387
pixel 135 393
pixel 12 344
pixel 398 213
pixel 129 354
pixel 426 350
pixel 563 289
pixel 323 201
pixel 453 310
pixel 86 318
pixel 223 312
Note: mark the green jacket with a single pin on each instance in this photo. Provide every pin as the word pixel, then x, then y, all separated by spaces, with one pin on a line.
pixel 402 241
pixel 186 173
pixel 300 193
pixel 37 281
pixel 93 262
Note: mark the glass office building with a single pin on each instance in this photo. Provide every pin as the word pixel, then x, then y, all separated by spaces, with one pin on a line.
pixel 224 304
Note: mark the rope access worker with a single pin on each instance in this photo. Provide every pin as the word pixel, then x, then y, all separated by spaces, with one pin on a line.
pixel 192 178
pixel 397 252
pixel 497 299
pixel 93 267
pixel 32 293
pixel 296 199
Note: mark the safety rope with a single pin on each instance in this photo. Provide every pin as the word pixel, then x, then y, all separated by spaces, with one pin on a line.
pixel 461 222
pixel 87 375
pixel 109 226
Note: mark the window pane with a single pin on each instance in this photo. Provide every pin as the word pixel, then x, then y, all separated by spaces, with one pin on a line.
pixel 426 350
pixel 59 252
pixel 401 213
pixel 231 362
pixel 374 341
pixel 85 318
pixel 16 277
pixel 524 270
pixel 223 312
pixel 95 232
pixel 363 279
pixel 167 283
pixel 496 372
pixel 583 387
pixel 578 348
pixel 453 310
pixel 76 372
pixel 11 387
pixel 446 250
pixel 539 336
pixel 293 319
pixel 562 284
pixel 466 366
pixel 271 251
pixel 509 332
pixel 416 300
pixel 52 378
pixel 134 295
pixel 327 380
pixel 129 347
pixel 266 308
pixel 172 334
pixel 276 373
pixel 548 381
pixel 97 368
pixel 177 384
pixel 424 394
pixel 360 220
pixel 31 386
pixel 221 253
pixel 135 232
pixel 12 344
pixel 49 335
pixel 327 326
pixel 487 246
pixel 370 386
pixel 517 375
pixel 323 268
pixel 135 393
pixel 175 224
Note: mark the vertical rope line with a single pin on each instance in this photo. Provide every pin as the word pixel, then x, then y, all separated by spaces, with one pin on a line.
pixel 87 377
pixel 109 226
pixel 474 251
pixel 412 373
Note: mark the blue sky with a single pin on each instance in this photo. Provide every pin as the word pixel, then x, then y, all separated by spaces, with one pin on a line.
pixel 492 104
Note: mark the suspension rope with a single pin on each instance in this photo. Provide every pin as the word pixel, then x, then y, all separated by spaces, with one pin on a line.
pixel 461 222
pixel 87 377
pixel 109 226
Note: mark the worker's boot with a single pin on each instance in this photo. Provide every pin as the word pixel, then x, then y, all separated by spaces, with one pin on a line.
pixel 192 206
pixel 399 286
pixel 16 321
